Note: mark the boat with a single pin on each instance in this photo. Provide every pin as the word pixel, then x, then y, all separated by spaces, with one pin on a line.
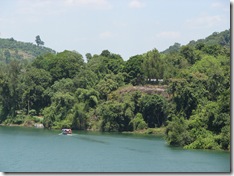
pixel 66 131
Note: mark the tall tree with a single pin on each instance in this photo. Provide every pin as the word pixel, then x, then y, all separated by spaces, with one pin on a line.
pixel 39 41
pixel 152 65
pixel 133 68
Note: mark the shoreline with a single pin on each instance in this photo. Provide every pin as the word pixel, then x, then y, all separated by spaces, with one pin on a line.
pixel 157 132
pixel 34 125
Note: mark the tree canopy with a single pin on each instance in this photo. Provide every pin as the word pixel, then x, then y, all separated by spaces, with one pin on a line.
pixel 185 90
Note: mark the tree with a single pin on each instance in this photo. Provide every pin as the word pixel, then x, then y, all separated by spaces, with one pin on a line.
pixel 114 62
pixel 133 68
pixel 189 54
pixel 34 83
pixel 113 116
pixel 138 122
pixel 154 110
pixel 89 97
pixel 39 41
pixel 79 118
pixel 106 53
pixel 172 49
pixel 7 55
pixel 88 56
pixel 85 79
pixel 176 132
pixel 110 83
pixel 62 65
pixel 153 66
pixel 9 92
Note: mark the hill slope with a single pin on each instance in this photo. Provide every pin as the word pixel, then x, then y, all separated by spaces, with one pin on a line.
pixel 217 38
pixel 11 49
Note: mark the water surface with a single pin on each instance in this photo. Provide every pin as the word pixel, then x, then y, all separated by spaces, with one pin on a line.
pixel 40 150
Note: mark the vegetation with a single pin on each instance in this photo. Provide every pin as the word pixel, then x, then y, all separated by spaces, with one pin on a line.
pixel 183 92
pixel 10 50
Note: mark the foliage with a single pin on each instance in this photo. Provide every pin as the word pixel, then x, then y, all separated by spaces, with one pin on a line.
pixel 173 48
pixel 39 41
pixel 62 65
pixel 138 122
pixel 154 110
pixel 177 133
pixel 10 50
pixel 133 68
pixel 153 66
pixel 183 91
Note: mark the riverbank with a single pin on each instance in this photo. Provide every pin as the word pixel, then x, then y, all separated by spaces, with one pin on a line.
pixel 24 121
pixel 157 132
pixel 150 131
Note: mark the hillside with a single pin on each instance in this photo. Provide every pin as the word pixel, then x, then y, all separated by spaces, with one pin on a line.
pixel 217 38
pixel 186 92
pixel 10 49
pixel 147 89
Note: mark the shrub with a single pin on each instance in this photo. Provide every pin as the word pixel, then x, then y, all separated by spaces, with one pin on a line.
pixel 205 141
pixel 138 122
pixel 176 132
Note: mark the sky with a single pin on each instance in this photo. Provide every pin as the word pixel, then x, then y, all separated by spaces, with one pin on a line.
pixel 125 27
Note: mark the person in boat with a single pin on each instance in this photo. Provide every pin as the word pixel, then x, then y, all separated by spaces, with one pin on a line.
pixel 67 131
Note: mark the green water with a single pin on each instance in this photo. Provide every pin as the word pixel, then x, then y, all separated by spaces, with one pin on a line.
pixel 40 150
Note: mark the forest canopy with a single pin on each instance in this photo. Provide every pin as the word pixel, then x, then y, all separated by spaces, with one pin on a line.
pixel 184 90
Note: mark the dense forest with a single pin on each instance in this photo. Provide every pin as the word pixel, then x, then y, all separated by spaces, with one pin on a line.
pixel 184 90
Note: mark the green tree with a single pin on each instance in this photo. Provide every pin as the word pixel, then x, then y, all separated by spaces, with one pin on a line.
pixel 34 83
pixel 138 122
pixel 189 54
pixel 89 97
pixel 172 49
pixel 62 65
pixel 79 120
pixel 64 85
pixel 154 110
pixel 110 83
pixel 86 79
pixel 7 55
pixel 88 56
pixel 59 113
pixel 39 41
pixel 177 132
pixel 153 66
pixel 113 117
pixel 133 68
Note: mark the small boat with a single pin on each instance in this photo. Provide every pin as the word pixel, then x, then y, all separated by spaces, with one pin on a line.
pixel 66 131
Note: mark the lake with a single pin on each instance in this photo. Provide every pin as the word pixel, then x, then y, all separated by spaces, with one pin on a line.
pixel 40 150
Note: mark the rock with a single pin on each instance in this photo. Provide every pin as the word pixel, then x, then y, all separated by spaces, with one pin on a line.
pixel 38 125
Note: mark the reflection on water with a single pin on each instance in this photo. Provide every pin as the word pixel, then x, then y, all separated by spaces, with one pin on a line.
pixel 91 139
pixel 137 150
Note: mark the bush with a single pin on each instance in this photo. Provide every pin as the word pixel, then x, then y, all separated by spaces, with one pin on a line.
pixel 205 141
pixel 138 122
pixel 8 121
pixel 176 132
pixel 18 120
pixel 32 112
pixel 62 124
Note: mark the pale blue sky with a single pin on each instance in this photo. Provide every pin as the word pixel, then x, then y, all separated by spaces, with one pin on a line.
pixel 125 27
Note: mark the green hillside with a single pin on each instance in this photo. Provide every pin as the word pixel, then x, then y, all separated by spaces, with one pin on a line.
pixel 217 38
pixel 11 49
pixel 185 93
